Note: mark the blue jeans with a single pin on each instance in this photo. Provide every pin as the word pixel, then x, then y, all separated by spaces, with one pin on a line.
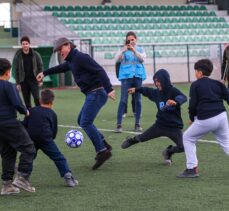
pixel 125 85
pixel 51 150
pixel 93 103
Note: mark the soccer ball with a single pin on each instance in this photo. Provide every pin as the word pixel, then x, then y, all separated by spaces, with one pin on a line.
pixel 74 138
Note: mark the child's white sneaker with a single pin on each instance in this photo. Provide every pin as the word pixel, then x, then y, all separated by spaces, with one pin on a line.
pixel 70 180
pixel 8 188
pixel 22 182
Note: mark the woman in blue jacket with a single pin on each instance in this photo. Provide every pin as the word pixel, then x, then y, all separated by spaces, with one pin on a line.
pixel 131 74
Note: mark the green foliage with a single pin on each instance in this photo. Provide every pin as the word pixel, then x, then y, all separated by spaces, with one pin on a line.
pixel 133 179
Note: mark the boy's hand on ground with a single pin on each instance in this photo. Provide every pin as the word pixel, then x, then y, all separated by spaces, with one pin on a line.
pixel 112 95
pixel 131 90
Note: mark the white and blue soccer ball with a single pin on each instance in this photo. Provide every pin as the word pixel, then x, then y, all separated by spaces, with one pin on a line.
pixel 74 138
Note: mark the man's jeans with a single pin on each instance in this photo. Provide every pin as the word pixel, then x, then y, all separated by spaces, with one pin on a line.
pixel 126 84
pixel 92 105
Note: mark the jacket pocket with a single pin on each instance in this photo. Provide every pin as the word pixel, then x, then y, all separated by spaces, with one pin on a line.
pixel 125 70
pixel 140 70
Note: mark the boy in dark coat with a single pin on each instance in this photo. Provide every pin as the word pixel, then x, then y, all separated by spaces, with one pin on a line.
pixel 13 136
pixel 41 125
pixel 169 122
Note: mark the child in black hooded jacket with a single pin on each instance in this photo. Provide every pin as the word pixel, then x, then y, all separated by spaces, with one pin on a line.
pixel 169 122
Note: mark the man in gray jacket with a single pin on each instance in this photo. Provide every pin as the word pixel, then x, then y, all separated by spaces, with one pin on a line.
pixel 27 65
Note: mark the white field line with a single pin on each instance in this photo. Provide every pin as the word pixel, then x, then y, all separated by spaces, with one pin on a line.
pixel 129 132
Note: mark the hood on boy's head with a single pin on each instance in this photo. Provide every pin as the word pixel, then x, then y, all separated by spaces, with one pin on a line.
pixel 163 76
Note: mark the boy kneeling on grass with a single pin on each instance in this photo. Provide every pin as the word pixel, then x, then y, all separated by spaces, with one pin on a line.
pixel 41 125
pixel 207 114
pixel 169 122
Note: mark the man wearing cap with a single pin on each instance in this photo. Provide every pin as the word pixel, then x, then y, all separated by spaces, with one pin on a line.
pixel 94 83
pixel 27 64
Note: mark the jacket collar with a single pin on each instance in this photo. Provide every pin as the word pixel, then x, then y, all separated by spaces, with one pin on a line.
pixel 70 55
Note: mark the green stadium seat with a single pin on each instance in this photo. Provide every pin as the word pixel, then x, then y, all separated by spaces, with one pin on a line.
pixel 62 8
pixel 77 8
pixel 55 8
pixel 47 8
pixel 176 7
pixel 55 14
pixel 120 7
pixel 62 14
pixel 70 8
pixel 148 7
pixel 106 8
pixel 136 7
pixel 143 7
pixel 128 7
pixel 183 7
pixel 162 7
pixel 114 7
pixel 168 7
pixel 85 8
pixel 94 8
pixel 155 7
pixel 202 7
pixel 109 56
pixel 70 14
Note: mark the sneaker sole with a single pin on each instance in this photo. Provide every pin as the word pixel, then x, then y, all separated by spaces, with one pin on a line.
pixel 123 146
pixel 187 176
pixel 9 193
pixel 74 184
pixel 19 185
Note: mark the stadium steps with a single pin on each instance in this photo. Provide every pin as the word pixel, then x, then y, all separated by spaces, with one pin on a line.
pixel 154 24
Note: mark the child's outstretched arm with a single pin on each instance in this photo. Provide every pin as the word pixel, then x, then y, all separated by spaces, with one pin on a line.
pixel 180 99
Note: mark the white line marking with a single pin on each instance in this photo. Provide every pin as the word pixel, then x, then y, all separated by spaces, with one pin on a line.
pixel 130 132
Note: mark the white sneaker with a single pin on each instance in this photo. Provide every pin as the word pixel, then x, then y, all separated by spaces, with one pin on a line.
pixel 70 180
pixel 167 159
pixel 8 188
pixel 23 183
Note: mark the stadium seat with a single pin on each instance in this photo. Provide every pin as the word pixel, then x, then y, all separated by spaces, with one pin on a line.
pixel 152 23
pixel 47 8
pixel 70 8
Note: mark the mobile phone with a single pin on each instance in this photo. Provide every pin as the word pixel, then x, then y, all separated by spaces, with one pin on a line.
pixel 127 42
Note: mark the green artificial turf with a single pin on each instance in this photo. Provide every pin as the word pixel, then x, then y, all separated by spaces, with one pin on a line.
pixel 133 179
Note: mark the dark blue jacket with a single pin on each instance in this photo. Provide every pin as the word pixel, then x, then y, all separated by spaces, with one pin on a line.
pixel 168 117
pixel 87 73
pixel 206 98
pixel 10 103
pixel 41 124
